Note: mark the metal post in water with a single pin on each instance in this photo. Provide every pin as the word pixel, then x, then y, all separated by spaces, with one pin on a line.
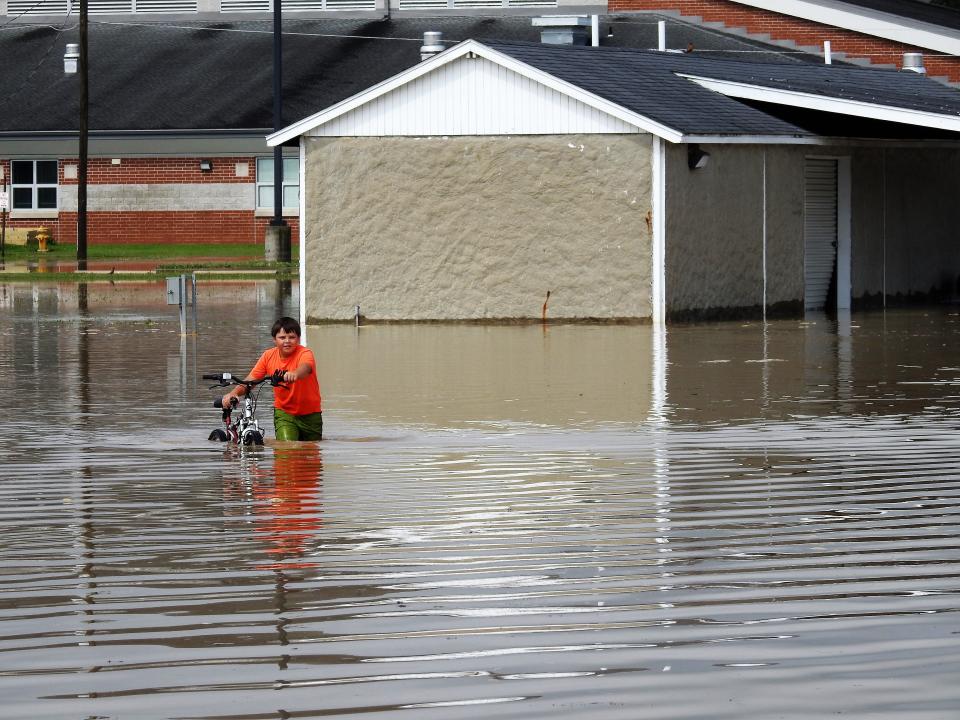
pixel 183 309
pixel 827 56
pixel 193 299
pixel 356 317
pixel 662 35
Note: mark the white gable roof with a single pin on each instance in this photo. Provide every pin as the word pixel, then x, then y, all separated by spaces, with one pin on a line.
pixel 866 21
pixel 471 89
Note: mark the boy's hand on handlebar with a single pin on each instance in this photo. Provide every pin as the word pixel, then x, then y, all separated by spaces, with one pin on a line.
pixel 280 376
pixel 229 401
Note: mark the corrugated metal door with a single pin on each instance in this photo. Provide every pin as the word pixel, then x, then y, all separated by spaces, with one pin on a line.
pixel 819 230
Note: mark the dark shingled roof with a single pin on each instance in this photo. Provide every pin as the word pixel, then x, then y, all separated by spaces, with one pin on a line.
pixel 217 76
pixel 913 10
pixel 651 84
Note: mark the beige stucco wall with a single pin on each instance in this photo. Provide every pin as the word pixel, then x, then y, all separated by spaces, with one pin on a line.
pixel 469 228
pixel 715 228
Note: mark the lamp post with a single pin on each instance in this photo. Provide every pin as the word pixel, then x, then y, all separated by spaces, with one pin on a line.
pixel 74 60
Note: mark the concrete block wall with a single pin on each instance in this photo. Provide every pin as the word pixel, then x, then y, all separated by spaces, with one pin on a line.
pixel 802 32
pixel 157 200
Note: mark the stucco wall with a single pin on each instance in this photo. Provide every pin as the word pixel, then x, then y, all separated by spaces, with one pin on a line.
pixel 715 232
pixel 468 228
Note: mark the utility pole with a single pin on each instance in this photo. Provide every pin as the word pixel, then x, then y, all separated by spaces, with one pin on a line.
pixel 4 204
pixel 278 234
pixel 84 130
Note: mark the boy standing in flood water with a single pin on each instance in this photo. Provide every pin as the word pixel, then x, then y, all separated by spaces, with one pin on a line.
pixel 297 414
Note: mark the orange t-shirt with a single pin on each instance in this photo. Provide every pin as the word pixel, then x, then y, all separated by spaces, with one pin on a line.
pixel 298 398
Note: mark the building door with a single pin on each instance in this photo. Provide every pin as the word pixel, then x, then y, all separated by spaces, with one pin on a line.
pixel 819 231
pixel 826 233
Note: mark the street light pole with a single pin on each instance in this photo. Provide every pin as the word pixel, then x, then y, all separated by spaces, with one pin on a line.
pixel 84 129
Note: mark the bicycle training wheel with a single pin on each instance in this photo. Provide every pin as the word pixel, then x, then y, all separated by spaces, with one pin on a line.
pixel 218 435
pixel 253 438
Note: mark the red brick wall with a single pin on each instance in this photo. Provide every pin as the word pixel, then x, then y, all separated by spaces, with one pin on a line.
pixel 211 226
pixel 803 32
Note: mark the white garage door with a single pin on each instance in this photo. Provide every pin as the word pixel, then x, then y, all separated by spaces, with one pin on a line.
pixel 819 230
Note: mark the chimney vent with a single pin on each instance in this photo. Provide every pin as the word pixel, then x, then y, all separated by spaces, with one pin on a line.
pixel 914 63
pixel 432 44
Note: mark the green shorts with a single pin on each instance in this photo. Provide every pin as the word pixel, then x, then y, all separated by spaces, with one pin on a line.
pixel 297 427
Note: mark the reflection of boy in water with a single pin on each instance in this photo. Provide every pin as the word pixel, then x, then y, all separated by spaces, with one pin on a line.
pixel 288 509
pixel 297 414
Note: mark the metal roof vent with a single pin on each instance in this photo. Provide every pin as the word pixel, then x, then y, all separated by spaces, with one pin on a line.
pixel 914 63
pixel 432 44
pixel 564 29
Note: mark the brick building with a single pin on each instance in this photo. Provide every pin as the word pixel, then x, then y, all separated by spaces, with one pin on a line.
pixel 179 113
pixel 877 31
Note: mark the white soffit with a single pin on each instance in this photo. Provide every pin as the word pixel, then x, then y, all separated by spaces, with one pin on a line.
pixel 867 22
pixel 855 108
pixel 471 89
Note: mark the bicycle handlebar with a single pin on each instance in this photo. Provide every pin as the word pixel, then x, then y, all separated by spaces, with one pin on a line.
pixel 225 379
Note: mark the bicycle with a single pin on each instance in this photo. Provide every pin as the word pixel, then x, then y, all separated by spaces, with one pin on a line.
pixel 245 429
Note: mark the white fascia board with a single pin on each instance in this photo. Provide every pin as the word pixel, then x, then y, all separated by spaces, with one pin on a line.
pixel 757 140
pixel 856 108
pixel 866 22
pixel 454 53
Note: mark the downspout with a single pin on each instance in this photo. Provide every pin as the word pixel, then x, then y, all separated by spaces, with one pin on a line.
pixel 303 236
pixel 658 251
pixel 764 195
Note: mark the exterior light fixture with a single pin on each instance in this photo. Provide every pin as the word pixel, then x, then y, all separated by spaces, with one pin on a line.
pixel 206 165
pixel 71 59
pixel 696 158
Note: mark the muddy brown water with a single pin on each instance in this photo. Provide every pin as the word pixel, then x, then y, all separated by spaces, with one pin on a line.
pixel 735 520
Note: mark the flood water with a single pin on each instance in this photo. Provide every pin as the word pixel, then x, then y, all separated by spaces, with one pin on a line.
pixel 734 520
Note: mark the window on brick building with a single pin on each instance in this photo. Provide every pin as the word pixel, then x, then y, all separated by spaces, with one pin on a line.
pixel 291 182
pixel 34 184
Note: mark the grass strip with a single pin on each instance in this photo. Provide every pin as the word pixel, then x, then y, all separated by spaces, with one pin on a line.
pixel 137 251
pixel 237 265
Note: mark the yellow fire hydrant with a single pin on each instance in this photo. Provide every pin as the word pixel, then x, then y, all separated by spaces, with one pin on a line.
pixel 43 235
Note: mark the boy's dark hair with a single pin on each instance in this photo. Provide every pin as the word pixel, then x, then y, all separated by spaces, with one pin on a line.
pixel 287 324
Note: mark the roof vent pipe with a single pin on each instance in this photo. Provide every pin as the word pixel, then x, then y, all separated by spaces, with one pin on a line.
pixel 914 63
pixel 432 44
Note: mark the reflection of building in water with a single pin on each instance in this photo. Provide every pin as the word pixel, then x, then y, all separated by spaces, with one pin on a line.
pixel 451 375
pixel 66 296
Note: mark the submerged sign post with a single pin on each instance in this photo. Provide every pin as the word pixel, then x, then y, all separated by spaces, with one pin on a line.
pixel 177 295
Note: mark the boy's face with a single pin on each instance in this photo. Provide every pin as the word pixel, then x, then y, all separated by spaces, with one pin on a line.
pixel 286 342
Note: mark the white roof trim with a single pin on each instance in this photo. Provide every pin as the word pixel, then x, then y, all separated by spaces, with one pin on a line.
pixel 866 22
pixel 759 139
pixel 454 53
pixel 810 101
